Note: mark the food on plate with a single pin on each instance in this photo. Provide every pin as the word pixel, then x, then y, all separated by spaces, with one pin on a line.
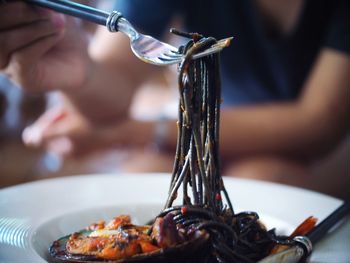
pixel 204 227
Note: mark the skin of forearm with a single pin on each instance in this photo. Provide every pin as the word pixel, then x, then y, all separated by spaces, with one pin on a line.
pixel 288 130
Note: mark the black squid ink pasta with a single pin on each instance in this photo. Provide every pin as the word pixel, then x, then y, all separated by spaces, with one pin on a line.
pixel 234 237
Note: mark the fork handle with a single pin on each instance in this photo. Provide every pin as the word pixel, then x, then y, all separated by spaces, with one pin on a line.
pixel 110 20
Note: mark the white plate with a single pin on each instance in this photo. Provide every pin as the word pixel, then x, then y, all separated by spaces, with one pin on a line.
pixel 33 215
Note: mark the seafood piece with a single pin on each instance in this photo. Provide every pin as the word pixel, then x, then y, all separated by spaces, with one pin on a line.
pixel 121 241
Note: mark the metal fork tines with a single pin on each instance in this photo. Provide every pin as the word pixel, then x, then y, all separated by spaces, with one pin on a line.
pixel 147 48
pixel 144 47
pixel 159 53
pixel 217 47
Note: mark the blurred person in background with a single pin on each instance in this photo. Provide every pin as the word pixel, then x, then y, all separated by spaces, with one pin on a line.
pixel 285 82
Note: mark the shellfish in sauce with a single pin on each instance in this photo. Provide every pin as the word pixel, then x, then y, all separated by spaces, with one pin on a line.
pixel 122 241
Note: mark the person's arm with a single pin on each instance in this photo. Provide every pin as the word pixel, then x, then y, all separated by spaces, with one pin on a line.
pixel 306 128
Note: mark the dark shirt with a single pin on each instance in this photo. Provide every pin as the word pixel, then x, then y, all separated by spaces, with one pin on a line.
pixel 257 67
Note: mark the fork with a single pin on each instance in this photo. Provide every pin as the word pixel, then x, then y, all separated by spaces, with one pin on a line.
pixel 146 48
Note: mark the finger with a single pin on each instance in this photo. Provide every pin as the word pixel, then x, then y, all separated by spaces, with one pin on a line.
pixel 68 138
pixel 51 125
pixel 17 13
pixel 34 135
pixel 22 37
pixel 23 63
pixel 64 127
